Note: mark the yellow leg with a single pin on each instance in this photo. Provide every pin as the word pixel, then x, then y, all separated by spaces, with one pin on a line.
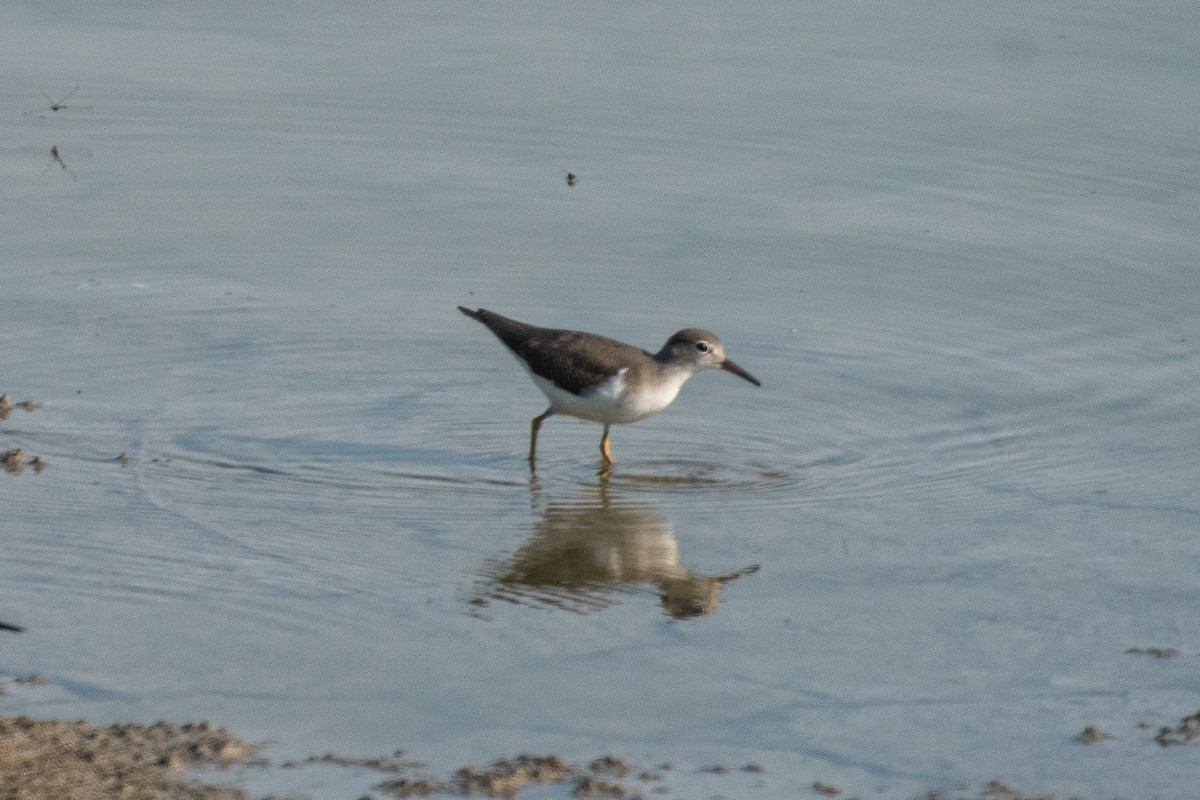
pixel 605 453
pixel 533 432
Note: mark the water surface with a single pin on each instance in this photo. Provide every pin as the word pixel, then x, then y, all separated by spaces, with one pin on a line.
pixel 957 246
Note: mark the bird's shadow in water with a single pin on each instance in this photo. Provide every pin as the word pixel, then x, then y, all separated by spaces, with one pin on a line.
pixel 584 556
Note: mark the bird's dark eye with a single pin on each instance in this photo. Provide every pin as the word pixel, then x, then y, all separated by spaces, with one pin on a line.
pixel 702 347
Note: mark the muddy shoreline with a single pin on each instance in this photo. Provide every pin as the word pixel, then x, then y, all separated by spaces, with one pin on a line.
pixel 44 759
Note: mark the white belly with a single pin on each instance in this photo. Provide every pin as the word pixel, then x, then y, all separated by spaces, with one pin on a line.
pixel 611 402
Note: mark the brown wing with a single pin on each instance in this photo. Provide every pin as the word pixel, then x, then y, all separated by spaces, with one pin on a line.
pixel 576 361
pixel 572 360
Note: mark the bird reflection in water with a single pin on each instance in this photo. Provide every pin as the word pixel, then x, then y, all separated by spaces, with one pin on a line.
pixel 60 159
pixel 56 158
pixel 584 558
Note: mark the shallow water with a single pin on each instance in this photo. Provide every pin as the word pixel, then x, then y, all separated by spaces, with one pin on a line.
pixel 959 251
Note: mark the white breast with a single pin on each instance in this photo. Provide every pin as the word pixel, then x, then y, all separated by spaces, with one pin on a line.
pixel 647 401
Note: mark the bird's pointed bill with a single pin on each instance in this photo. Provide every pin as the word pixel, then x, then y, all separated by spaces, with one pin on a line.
pixel 729 366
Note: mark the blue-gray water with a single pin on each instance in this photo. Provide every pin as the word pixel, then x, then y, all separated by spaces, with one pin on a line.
pixel 959 246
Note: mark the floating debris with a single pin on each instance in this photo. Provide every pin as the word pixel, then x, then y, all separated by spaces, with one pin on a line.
pixel 610 765
pixel 1091 735
pixel 1156 652
pixel 414 787
pixel 995 790
pixel 32 680
pixel 1183 733
pixel 7 405
pixel 14 461
pixel 589 786
pixel 392 763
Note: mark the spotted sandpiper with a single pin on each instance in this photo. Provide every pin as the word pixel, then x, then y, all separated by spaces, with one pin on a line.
pixel 593 377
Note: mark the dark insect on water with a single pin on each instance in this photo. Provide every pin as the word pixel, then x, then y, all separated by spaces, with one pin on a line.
pixel 57 105
pixel 61 104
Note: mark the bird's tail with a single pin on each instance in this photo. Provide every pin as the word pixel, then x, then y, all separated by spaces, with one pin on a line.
pixel 472 314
